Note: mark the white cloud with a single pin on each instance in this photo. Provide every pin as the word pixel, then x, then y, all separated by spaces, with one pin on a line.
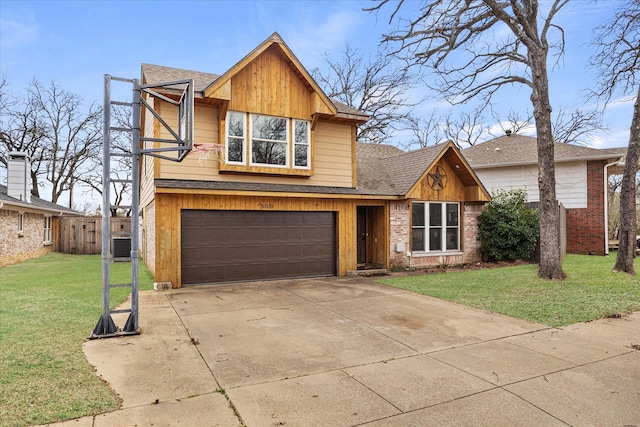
pixel 15 34
pixel 312 39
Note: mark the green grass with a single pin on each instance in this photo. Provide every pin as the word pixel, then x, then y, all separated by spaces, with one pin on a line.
pixel 48 307
pixel 589 292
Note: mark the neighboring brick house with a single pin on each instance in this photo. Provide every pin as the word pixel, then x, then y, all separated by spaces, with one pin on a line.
pixel 28 224
pixel 511 161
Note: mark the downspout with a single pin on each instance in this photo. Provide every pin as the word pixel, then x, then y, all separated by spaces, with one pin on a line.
pixel 606 203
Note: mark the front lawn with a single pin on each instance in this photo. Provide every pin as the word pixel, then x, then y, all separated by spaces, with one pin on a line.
pixel 48 307
pixel 589 292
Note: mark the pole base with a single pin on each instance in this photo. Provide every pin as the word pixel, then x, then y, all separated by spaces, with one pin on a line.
pixel 106 327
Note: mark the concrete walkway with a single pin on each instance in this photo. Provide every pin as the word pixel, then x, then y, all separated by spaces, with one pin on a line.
pixel 350 352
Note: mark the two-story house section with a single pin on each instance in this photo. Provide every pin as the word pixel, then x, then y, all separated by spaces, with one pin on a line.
pixel 282 198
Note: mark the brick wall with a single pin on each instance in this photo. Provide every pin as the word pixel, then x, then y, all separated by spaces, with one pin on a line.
pixel 470 241
pixel 585 227
pixel 14 247
pixel 400 234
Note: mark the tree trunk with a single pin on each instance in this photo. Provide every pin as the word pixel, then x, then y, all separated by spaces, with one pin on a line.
pixel 550 266
pixel 627 234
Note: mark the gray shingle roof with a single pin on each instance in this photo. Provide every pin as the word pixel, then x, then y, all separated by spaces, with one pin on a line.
pixel 393 172
pixel 521 150
pixel 36 203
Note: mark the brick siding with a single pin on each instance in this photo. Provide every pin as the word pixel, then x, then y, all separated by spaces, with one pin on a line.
pixel 585 227
pixel 16 248
pixel 400 237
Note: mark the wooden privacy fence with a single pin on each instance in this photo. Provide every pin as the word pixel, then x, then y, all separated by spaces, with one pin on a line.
pixel 84 235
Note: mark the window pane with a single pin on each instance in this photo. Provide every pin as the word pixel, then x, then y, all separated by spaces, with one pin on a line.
pixel 301 155
pixel 452 214
pixel 417 239
pixel 417 214
pixel 452 239
pixel 435 239
pixel 271 128
pixel 302 132
pixel 235 151
pixel 236 123
pixel 435 214
pixel 269 153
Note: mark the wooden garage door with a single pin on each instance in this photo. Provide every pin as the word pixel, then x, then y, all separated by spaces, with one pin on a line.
pixel 226 246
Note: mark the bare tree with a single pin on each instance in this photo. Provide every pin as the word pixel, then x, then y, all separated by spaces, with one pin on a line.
pixel 425 130
pixel 617 59
pixel 72 136
pixel 22 129
pixel 467 127
pixel 50 126
pixel 374 85
pixel 459 41
pixel 571 126
pixel 120 165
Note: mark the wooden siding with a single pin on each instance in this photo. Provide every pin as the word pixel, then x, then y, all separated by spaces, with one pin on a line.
pixel 168 213
pixel 454 190
pixel 571 182
pixel 270 85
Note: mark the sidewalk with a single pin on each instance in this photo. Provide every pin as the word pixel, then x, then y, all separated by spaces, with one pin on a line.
pixel 350 352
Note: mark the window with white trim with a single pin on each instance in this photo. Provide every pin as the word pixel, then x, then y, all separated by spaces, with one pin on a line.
pixel 301 141
pixel 47 229
pixel 272 141
pixel 235 146
pixel 435 226
pixel 269 140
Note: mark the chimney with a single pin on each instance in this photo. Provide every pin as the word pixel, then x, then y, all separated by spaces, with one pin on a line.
pixel 508 132
pixel 19 176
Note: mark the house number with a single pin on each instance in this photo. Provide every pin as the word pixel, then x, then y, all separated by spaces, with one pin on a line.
pixel 266 205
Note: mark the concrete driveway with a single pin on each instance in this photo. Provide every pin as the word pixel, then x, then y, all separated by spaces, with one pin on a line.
pixel 350 352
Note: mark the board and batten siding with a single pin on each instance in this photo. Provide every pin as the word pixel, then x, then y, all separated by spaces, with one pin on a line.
pixel 167 214
pixel 571 182
pixel 331 157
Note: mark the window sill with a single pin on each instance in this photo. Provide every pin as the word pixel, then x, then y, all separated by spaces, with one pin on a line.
pixel 47 244
pixel 265 170
pixel 436 253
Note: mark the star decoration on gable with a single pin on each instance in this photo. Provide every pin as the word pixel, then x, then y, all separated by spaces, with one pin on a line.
pixel 437 179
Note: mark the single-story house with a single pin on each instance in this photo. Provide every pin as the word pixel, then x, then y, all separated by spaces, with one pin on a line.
pixel 292 194
pixel 28 224
pixel 511 161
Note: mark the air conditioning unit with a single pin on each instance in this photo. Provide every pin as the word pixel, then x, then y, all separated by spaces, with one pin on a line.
pixel 121 247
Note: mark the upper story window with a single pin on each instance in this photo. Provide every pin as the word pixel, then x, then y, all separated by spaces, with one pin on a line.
pixel 435 226
pixel 267 141
pixel 235 146
pixel 47 229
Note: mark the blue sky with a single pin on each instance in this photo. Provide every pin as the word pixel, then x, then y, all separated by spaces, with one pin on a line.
pixel 76 42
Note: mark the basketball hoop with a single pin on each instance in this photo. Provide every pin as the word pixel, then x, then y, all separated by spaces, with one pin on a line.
pixel 204 150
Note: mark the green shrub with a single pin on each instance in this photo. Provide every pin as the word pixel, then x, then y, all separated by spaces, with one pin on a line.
pixel 507 229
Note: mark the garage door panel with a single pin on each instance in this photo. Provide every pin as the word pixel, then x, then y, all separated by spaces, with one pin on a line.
pixel 224 246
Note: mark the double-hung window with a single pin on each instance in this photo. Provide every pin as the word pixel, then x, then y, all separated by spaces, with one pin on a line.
pixel 435 226
pixel 301 144
pixel 47 229
pixel 267 141
pixel 235 137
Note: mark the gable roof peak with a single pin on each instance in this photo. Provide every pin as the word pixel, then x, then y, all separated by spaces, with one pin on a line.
pixel 275 38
